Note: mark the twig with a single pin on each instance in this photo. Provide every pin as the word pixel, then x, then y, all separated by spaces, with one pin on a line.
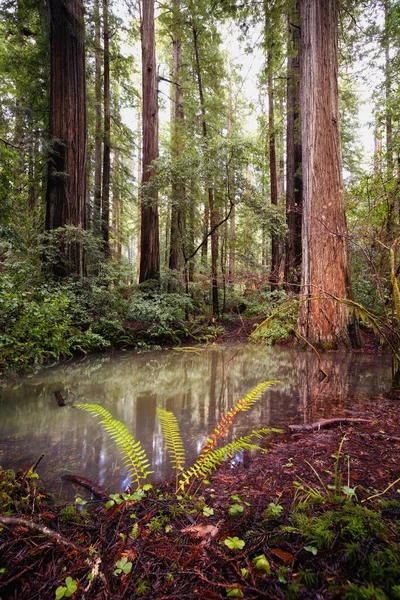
pixel 46 531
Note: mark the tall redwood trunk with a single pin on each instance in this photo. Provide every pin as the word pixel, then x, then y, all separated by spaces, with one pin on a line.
pixel 325 271
pixel 231 195
pixel 210 191
pixel 294 184
pixel 273 175
pixel 149 228
pixel 66 182
pixel 178 186
pixel 105 199
pixel 98 129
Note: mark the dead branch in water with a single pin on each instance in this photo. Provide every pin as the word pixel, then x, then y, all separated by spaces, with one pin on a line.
pixel 324 424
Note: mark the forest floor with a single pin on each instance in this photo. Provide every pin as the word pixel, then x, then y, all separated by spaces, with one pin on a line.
pixel 317 516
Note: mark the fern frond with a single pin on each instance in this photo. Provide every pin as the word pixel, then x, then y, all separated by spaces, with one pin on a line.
pixel 206 465
pixel 133 454
pixel 173 439
pixel 243 405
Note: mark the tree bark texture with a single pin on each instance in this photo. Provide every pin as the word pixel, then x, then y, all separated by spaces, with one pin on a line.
pixel 105 198
pixel 211 207
pixel 325 271
pixel 67 162
pixel 98 123
pixel 66 181
pixel 178 186
pixel 274 276
pixel 149 226
pixel 293 158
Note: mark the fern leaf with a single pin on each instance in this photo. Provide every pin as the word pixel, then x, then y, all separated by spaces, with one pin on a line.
pixel 225 423
pixel 133 454
pixel 173 439
pixel 206 465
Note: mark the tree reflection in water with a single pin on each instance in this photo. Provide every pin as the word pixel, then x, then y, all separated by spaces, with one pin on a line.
pixel 198 387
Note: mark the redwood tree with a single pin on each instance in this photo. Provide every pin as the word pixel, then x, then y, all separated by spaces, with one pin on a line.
pixel 149 227
pixel 66 182
pixel 293 163
pixel 325 271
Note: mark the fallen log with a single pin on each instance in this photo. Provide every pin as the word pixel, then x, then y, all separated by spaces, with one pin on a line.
pixel 60 399
pixel 95 489
pixel 324 424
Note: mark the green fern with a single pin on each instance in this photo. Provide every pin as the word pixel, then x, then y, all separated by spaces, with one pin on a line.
pixel 173 440
pixel 225 423
pixel 206 465
pixel 133 454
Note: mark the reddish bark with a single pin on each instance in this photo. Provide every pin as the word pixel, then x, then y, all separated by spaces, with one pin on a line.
pixel 293 163
pixel 149 229
pixel 325 271
pixel 66 184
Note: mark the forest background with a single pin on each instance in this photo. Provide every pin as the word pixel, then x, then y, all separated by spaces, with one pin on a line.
pixel 188 221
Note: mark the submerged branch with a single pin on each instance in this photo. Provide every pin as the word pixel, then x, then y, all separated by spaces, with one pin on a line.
pixel 324 424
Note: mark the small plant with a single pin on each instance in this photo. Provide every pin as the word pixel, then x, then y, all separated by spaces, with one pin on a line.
pixel 67 590
pixel 273 511
pixel 123 567
pixel 234 543
pixel 262 564
pixel 234 593
pixel 235 510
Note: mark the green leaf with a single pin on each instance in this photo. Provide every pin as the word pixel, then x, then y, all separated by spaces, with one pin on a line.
pixel 234 543
pixel 312 549
pixel 234 593
pixel 236 510
pixel 207 511
pixel 72 586
pixel 60 592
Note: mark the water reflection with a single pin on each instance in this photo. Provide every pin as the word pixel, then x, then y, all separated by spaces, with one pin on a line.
pixel 197 386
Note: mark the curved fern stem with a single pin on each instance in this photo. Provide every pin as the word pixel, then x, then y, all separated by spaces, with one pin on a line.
pixel 133 454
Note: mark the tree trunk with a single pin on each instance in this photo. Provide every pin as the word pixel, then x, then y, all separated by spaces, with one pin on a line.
pixel 66 182
pixel 325 272
pixel 149 228
pixel 178 187
pixel 105 200
pixel 293 159
pixel 98 130
pixel 231 195
pixel 211 207
pixel 274 276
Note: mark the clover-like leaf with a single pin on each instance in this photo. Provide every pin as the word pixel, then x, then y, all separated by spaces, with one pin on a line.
pixel 234 543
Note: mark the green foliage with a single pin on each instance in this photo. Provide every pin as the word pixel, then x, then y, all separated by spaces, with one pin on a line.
pixel 262 564
pixel 281 322
pixel 173 439
pixel 133 454
pixel 234 543
pixel 71 585
pixel 123 567
pixel 165 313
pixel 210 459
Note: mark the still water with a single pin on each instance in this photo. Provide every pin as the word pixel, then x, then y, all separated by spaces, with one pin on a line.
pixel 199 386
